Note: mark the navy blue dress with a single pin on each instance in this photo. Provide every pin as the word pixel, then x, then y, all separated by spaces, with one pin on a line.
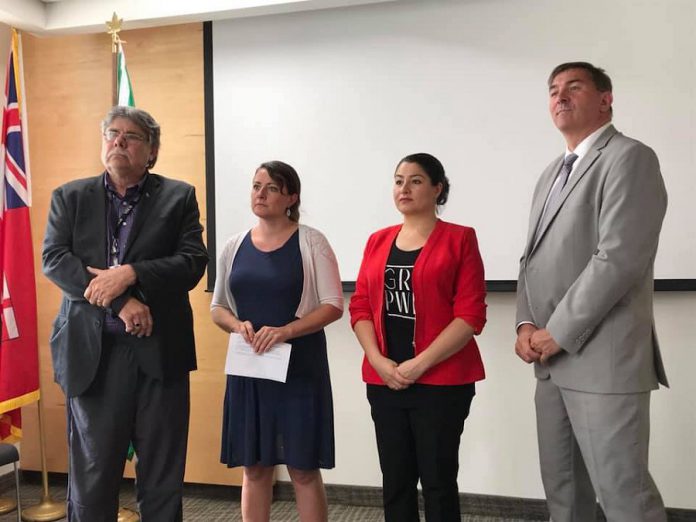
pixel 267 422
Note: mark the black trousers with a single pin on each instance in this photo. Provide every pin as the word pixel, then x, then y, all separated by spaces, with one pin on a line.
pixel 418 432
pixel 124 404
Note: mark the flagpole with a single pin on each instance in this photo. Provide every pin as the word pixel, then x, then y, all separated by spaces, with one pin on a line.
pixel 46 510
pixel 114 78
pixel 113 28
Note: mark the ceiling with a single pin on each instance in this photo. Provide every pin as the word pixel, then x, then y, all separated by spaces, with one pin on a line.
pixel 46 17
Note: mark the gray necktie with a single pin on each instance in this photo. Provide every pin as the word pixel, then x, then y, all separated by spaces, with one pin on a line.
pixel 555 195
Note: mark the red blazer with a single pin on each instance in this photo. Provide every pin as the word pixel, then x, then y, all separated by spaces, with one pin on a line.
pixel 448 282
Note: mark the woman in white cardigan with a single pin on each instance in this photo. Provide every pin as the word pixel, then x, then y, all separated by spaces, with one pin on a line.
pixel 279 282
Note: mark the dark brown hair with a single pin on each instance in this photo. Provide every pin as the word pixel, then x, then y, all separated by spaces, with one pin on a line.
pixel 433 168
pixel 288 180
pixel 599 76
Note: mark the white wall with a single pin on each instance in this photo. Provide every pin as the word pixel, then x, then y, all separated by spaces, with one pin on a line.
pixel 343 94
pixel 498 454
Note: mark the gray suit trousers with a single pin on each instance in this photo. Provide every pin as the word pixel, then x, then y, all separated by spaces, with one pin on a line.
pixel 124 404
pixel 591 442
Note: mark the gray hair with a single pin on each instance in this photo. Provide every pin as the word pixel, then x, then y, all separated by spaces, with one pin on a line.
pixel 142 119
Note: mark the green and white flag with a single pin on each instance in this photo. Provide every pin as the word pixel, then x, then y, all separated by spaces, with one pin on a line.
pixel 125 97
pixel 125 91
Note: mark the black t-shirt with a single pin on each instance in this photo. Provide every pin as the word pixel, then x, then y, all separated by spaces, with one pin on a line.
pixel 399 313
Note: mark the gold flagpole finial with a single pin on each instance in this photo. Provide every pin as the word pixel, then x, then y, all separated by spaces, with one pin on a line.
pixel 113 28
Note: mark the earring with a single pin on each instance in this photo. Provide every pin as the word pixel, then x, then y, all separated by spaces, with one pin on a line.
pixel 288 212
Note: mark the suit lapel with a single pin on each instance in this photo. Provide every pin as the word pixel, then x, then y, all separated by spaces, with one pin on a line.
pixel 586 163
pixel 94 204
pixel 144 208
pixel 546 182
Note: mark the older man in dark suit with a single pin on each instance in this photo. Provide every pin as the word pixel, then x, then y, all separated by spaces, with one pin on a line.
pixel 125 247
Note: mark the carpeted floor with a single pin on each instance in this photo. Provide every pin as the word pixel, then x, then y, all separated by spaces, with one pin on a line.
pixel 203 504
pixel 206 503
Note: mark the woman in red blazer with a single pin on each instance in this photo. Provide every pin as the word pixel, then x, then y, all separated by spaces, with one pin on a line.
pixel 419 300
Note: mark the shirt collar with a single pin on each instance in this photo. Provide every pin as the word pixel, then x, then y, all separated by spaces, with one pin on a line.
pixel 585 145
pixel 130 191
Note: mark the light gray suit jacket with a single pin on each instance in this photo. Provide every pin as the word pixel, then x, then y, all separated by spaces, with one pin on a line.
pixel 588 275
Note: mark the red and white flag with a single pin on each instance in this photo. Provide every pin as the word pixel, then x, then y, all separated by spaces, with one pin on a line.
pixel 19 364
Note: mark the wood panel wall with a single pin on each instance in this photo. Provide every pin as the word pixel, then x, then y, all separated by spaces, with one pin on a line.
pixel 68 89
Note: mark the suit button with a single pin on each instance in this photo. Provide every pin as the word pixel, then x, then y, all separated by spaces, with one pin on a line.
pixel 97 323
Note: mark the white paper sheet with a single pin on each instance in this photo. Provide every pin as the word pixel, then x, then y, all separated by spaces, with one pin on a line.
pixel 242 360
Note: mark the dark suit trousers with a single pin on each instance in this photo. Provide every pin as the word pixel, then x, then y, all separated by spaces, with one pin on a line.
pixel 418 432
pixel 124 404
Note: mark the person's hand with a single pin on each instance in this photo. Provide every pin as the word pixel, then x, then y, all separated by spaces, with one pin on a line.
pixel 388 371
pixel 411 369
pixel 544 344
pixel 137 317
pixel 108 284
pixel 523 347
pixel 246 330
pixel 267 336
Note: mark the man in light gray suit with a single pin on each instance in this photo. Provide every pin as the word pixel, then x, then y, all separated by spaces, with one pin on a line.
pixel 585 310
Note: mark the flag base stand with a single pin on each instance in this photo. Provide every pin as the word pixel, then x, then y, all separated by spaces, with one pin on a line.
pixel 45 511
pixel 127 515
pixel 7 505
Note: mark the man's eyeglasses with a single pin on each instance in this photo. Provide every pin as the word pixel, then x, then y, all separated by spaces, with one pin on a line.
pixel 129 137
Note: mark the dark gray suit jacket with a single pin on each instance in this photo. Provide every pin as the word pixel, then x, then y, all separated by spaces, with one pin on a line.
pixel 166 250
pixel 588 276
